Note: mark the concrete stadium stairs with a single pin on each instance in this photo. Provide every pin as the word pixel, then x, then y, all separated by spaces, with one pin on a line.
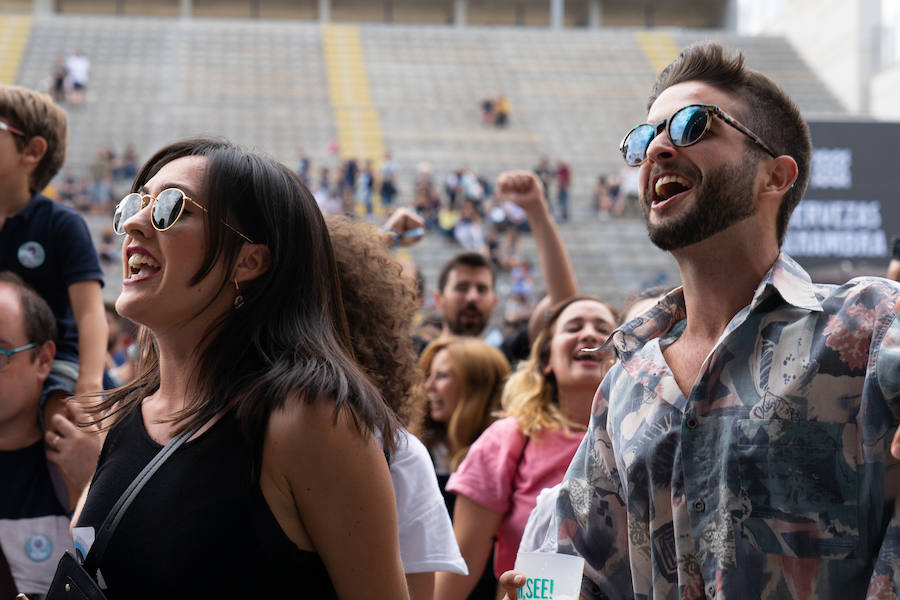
pixel 15 31
pixel 415 91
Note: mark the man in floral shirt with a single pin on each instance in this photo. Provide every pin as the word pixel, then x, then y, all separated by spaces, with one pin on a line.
pixel 740 448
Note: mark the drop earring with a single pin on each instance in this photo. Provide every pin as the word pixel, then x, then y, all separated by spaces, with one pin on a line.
pixel 238 299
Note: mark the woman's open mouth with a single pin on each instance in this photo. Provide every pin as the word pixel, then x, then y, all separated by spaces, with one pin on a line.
pixel 141 266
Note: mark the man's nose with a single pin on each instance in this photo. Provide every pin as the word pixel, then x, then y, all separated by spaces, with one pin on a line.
pixel 661 147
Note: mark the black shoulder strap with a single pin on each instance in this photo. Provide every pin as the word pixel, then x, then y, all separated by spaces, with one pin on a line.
pixel 104 534
pixel 7 583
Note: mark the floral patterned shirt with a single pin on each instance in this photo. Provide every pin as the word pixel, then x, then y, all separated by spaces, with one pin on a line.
pixel 773 479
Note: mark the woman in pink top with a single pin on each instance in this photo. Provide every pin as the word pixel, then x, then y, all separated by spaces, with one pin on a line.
pixel 547 405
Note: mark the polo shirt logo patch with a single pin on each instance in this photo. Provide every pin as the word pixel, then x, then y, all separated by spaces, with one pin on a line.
pixel 38 548
pixel 31 255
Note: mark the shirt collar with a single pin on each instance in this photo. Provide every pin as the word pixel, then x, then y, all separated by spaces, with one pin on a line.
pixel 652 324
pixel 29 208
pixel 785 277
pixel 788 279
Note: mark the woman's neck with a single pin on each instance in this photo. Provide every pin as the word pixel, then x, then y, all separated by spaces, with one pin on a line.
pixel 575 404
pixel 178 367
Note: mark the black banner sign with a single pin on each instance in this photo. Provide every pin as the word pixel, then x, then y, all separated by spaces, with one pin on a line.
pixel 851 209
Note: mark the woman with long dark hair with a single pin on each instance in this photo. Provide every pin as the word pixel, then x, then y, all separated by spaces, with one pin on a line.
pixel 284 489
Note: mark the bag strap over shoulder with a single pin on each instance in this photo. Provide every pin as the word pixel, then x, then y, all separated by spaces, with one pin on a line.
pixel 7 583
pixel 104 534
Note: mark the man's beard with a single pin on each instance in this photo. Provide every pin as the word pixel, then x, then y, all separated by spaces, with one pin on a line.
pixel 468 328
pixel 724 197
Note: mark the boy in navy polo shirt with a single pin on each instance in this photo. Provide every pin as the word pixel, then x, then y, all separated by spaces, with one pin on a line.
pixel 46 243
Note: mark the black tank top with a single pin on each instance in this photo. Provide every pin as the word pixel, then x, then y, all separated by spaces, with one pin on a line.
pixel 200 527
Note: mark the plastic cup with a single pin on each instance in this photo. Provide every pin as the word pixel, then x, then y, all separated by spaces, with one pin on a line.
pixel 549 576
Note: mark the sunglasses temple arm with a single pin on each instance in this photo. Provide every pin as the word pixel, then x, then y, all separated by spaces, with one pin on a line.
pixel 203 208
pixel 249 241
pixel 746 131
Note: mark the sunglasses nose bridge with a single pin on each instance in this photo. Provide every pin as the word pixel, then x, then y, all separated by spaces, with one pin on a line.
pixel 661 143
pixel 146 201
pixel 143 201
pixel 659 127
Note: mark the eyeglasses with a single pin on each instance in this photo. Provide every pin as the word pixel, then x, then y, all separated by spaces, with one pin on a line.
pixel 5 355
pixel 6 127
pixel 686 127
pixel 166 209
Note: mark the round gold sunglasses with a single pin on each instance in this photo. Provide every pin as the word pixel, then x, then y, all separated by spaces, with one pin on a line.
pixel 165 210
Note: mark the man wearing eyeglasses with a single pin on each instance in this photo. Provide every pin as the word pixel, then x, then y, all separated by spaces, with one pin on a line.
pixel 740 448
pixel 34 503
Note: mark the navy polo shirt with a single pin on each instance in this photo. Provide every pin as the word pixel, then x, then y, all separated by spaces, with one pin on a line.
pixel 49 245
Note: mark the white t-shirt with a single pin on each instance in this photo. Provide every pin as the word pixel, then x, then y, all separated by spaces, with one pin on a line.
pixel 79 66
pixel 427 542
pixel 535 538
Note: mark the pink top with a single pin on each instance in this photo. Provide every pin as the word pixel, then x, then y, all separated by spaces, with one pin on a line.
pixel 493 476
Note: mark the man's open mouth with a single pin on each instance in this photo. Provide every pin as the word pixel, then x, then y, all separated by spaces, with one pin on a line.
pixel 668 186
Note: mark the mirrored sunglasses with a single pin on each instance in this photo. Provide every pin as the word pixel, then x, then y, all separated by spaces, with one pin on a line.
pixel 165 210
pixel 685 127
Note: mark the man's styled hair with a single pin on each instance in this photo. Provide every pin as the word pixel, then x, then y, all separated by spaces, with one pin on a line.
pixel 465 259
pixel 767 110
pixel 36 115
pixel 40 324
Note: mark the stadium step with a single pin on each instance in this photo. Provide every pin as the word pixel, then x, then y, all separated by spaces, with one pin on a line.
pixel 14 33
pixel 659 48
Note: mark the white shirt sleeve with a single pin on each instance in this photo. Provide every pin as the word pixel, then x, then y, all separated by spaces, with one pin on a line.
pixel 427 542
pixel 534 538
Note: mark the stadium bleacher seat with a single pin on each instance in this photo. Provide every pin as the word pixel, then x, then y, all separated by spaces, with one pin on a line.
pixel 264 83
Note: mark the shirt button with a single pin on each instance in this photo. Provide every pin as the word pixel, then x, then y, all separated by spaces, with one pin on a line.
pixel 691 423
pixel 699 506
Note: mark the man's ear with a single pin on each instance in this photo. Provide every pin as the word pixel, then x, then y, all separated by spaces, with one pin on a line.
pixel 253 261
pixel 45 357
pixel 34 150
pixel 781 174
pixel 438 299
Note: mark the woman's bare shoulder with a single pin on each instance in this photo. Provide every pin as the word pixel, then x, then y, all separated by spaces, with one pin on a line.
pixel 313 428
